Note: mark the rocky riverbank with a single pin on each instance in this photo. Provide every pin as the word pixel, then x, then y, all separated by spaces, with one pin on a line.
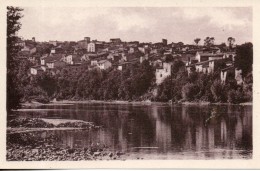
pixel 24 143
pixel 33 147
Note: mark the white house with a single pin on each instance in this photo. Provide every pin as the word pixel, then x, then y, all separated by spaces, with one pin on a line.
pixel 94 46
pixel 142 58
pixel 120 67
pixel 54 43
pixel 162 73
pixel 68 59
pixel 43 60
pixel 54 64
pixel 53 51
pixel 132 49
pixel 230 55
pixel 36 70
pixel 93 62
pixel 85 57
pixel 206 67
pixel 200 57
pixel 104 64
pixel 238 76
pixel 224 72
pixel 91 47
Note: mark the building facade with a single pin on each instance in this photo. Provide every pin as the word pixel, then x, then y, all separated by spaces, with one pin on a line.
pixel 162 73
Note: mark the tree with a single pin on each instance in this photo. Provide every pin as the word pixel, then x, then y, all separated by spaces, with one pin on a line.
pixel 217 90
pixel 212 40
pixel 244 58
pixel 197 40
pixel 231 42
pixel 179 45
pixel 47 82
pixel 223 46
pixel 13 26
pixel 189 91
pixel 209 41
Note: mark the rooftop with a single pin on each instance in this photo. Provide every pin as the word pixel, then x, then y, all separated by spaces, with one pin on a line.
pixel 227 68
pixel 211 54
pixel 102 61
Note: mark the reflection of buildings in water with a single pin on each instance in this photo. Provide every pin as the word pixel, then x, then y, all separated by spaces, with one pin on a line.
pixel 188 139
pixel 186 120
pixel 162 128
pixel 230 110
pixel 238 128
pixel 185 115
pixel 247 119
pixel 163 135
pixel 223 130
pixel 199 138
pixel 122 140
pixel 205 137
pixel 154 112
pixel 211 137
pixel 204 140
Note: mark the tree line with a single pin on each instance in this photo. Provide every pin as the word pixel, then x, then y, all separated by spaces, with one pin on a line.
pixel 130 84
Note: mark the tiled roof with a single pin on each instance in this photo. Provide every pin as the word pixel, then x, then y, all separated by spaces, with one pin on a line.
pixel 228 68
pixel 53 57
pixel 102 61
pixel 211 54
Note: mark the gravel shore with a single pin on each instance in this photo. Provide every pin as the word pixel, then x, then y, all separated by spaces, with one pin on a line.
pixel 30 147
pixel 24 144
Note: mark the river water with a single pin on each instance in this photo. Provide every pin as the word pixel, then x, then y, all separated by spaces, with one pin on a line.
pixel 156 131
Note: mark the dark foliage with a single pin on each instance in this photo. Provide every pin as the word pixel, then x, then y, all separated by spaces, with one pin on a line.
pixel 244 58
pixel 13 26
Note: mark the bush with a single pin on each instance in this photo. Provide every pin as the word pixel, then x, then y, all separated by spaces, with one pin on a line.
pixel 189 91
pixel 217 90
pixel 235 96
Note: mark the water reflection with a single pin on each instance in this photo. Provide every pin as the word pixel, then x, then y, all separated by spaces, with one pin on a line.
pixel 158 131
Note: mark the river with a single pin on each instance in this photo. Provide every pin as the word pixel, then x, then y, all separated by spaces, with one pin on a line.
pixel 155 131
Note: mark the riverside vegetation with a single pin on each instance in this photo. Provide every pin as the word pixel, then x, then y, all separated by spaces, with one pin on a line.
pixel 135 83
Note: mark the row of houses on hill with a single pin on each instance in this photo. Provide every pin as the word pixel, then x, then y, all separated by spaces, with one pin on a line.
pixel 203 62
pixel 120 55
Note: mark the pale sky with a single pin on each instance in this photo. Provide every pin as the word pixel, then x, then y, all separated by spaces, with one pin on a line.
pixel 137 23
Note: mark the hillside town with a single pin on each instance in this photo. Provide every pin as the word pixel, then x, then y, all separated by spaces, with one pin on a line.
pixel 138 71
pixel 53 56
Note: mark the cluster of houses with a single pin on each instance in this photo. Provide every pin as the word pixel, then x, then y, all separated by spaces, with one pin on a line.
pixel 203 61
pixel 52 56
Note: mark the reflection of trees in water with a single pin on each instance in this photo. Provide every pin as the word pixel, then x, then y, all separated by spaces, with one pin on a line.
pixel 222 131
pixel 141 128
pixel 175 128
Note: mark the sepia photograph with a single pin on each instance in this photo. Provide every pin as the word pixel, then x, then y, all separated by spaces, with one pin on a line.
pixel 134 83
